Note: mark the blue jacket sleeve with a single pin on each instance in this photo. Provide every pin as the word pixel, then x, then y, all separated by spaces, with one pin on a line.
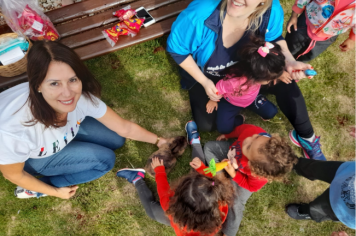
pixel 185 37
pixel 275 24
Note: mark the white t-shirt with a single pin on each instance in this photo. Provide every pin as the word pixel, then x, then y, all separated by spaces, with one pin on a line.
pixel 19 142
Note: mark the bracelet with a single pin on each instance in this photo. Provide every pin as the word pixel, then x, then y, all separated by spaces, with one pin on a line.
pixel 157 140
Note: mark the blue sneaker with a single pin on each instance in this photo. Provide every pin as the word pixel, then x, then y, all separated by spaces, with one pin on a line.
pixel 192 131
pixel 132 175
pixel 311 150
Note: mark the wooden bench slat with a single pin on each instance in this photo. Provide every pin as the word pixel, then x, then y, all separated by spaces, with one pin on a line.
pixel 9 81
pixel 82 8
pixel 81 25
pixel 93 35
pixel 103 47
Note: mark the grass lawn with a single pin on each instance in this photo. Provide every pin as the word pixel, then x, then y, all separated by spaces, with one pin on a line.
pixel 143 86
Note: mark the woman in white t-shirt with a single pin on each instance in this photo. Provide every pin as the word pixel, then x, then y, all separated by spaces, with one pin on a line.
pixel 56 126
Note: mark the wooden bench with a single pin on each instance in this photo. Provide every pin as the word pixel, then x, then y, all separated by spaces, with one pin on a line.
pixel 80 26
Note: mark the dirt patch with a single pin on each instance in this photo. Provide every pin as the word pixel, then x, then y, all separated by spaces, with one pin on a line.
pixel 345 104
pixel 66 208
pixel 12 224
pixel 309 190
pixel 148 74
pixel 117 196
pixel 174 123
pixel 176 101
pixel 158 126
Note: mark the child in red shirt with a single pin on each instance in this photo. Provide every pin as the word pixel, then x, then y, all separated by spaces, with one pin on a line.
pixel 254 158
pixel 197 206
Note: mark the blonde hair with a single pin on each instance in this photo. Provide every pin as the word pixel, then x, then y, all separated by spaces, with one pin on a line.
pixel 255 19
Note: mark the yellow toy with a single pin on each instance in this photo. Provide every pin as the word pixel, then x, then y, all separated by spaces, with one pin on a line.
pixel 215 167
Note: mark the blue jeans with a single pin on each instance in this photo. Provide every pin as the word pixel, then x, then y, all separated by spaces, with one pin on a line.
pixel 89 156
pixel 228 115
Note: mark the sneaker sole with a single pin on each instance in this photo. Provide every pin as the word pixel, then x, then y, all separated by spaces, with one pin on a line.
pixel 138 169
pixel 296 143
pixel 26 196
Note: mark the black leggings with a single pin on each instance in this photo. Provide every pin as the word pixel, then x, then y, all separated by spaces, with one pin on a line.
pixel 289 99
pixel 319 209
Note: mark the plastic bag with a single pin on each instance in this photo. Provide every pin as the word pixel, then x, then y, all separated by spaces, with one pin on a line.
pixel 24 17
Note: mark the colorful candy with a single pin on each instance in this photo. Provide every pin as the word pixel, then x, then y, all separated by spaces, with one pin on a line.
pixel 123 14
pixel 112 35
pixel 134 25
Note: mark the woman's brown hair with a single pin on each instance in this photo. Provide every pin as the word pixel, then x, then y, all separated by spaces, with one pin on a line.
pixel 39 57
pixel 196 200
pixel 254 67
pixel 279 159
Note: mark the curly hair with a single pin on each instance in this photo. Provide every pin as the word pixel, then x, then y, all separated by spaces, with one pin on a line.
pixel 196 200
pixel 255 67
pixel 279 161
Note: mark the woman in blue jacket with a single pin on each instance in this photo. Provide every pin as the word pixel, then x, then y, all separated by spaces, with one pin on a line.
pixel 204 41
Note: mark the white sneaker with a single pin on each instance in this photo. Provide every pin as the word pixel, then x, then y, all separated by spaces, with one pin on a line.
pixel 24 193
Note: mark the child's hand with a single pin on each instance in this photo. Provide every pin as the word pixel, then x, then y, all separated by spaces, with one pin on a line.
pixel 285 78
pixel 342 233
pixel 221 137
pixel 156 162
pixel 195 163
pixel 231 156
pixel 293 20
pixel 229 168
pixel 347 45
pixel 210 106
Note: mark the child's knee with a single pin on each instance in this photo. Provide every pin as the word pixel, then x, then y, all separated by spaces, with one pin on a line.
pixel 225 128
pixel 272 111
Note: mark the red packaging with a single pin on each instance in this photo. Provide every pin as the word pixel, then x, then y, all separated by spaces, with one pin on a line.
pixel 123 14
pixel 134 25
pixel 112 35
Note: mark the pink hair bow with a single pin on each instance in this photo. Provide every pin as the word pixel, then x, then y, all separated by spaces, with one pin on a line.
pixel 263 51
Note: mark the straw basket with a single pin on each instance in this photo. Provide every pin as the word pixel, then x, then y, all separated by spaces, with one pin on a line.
pixel 16 68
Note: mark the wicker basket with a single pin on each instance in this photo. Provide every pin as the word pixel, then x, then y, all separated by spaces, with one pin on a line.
pixel 16 68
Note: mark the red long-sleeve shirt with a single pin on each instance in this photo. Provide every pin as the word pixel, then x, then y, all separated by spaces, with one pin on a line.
pixel 165 193
pixel 243 175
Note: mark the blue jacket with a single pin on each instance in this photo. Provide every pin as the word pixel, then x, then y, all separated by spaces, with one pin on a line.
pixel 195 32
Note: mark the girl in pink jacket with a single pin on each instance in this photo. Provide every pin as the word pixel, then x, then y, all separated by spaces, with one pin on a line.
pixel 317 27
pixel 262 63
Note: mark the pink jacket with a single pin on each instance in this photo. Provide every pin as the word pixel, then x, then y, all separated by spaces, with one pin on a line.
pixel 327 18
pixel 228 87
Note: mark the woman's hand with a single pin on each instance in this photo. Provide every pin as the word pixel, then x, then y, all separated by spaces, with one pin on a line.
pixel 210 106
pixel 66 192
pixel 156 162
pixel 347 45
pixel 293 20
pixel 342 233
pixel 296 69
pixel 195 163
pixel 229 168
pixel 161 142
pixel 221 137
pixel 211 90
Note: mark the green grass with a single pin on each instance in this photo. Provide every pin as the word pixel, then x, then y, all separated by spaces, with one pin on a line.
pixel 143 86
